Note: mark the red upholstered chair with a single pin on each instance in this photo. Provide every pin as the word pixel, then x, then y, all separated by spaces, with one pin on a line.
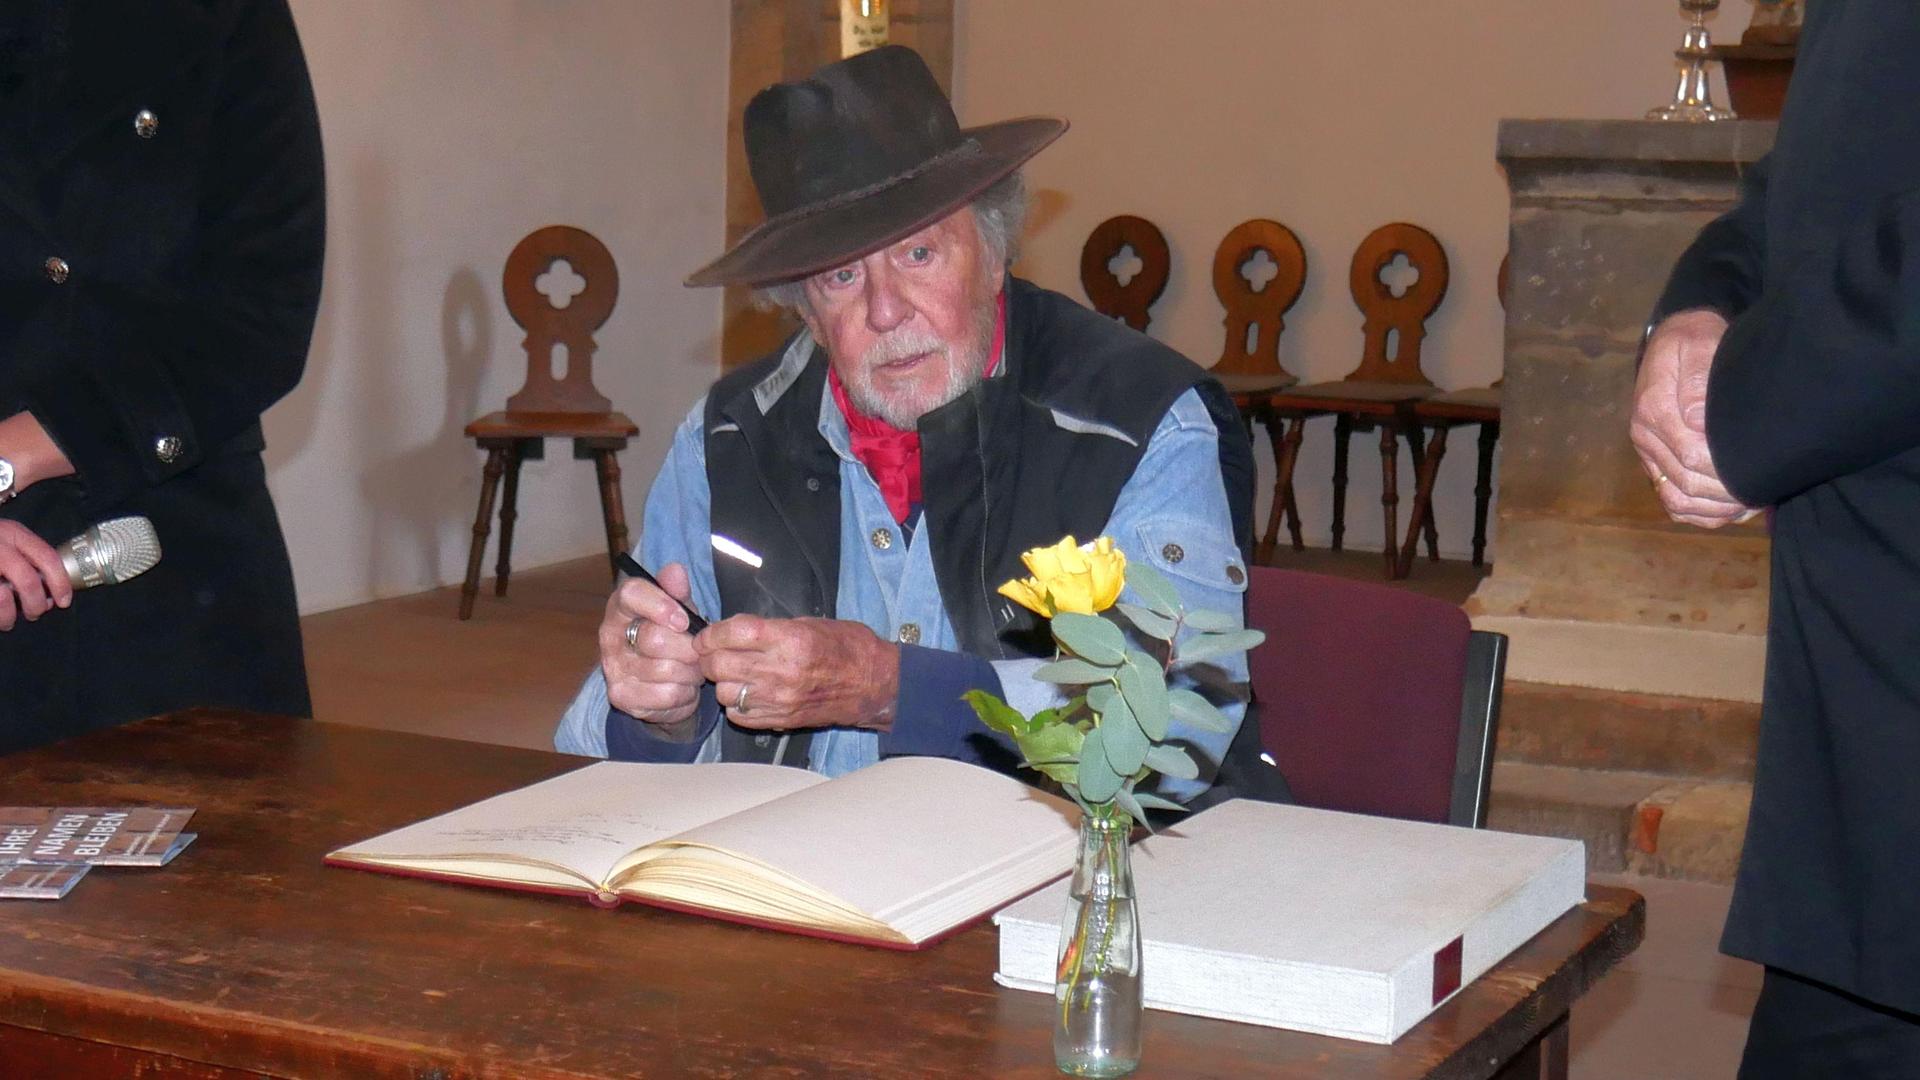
pixel 1372 699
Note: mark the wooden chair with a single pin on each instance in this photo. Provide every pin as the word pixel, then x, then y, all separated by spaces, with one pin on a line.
pixel 1253 373
pixel 1372 699
pixel 1440 414
pixel 1131 300
pixel 545 407
pixel 1379 392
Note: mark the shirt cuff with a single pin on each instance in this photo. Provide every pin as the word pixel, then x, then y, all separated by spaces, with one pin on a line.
pixel 636 740
pixel 931 717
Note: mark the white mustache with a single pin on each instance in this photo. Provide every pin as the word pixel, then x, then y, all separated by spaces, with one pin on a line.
pixel 900 345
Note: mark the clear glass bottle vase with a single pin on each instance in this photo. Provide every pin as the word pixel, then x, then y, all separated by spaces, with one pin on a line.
pixel 1096 990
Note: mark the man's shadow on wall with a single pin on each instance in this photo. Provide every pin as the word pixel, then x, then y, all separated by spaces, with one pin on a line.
pixel 421 492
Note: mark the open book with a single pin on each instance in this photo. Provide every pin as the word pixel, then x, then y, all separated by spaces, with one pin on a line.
pixel 896 854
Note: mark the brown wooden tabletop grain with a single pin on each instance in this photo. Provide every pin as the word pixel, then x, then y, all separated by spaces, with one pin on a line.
pixel 248 957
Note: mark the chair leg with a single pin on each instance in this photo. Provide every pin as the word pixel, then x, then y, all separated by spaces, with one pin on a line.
pixel 1416 446
pixel 1422 511
pixel 1269 536
pixel 1342 432
pixel 1390 493
pixel 1483 490
pixel 508 515
pixel 482 524
pixel 1293 520
pixel 611 506
pixel 1286 453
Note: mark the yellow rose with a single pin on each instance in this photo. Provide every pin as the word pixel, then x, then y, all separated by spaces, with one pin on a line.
pixel 1068 577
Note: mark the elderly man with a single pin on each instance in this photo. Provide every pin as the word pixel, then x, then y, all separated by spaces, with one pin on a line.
pixel 851 503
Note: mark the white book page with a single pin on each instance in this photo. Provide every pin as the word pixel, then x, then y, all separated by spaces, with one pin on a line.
pixel 901 835
pixel 588 819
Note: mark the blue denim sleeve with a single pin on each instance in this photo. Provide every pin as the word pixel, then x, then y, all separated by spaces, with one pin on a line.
pixel 676 528
pixel 634 740
pixel 930 717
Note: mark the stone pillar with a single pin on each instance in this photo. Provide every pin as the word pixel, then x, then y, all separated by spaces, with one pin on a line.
pixel 776 41
pixel 1595 585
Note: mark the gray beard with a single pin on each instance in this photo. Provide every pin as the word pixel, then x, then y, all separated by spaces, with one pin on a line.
pixel 964 372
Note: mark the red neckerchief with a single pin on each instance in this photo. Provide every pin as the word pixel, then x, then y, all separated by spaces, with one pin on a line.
pixel 892 456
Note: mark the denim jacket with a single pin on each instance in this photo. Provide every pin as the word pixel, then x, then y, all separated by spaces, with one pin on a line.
pixel 1172 514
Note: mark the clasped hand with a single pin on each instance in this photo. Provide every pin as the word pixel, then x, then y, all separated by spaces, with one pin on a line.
pixel 796 673
pixel 1669 427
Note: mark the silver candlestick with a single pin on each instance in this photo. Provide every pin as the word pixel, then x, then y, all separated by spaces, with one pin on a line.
pixel 1692 98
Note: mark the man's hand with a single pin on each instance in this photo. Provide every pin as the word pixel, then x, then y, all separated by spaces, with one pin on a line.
pixel 656 676
pixel 1670 420
pixel 30 574
pixel 801 673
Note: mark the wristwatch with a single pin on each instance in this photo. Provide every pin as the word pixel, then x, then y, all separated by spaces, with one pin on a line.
pixel 6 480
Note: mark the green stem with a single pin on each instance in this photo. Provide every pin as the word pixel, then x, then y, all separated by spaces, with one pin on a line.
pixel 1106 902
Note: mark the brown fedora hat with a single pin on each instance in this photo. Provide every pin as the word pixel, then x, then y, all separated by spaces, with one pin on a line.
pixel 864 152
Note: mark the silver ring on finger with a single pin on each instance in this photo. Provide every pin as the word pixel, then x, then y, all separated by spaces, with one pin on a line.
pixel 633 634
pixel 740 703
pixel 1661 479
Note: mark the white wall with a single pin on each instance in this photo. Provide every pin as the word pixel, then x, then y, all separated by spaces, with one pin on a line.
pixel 452 130
pixel 1331 116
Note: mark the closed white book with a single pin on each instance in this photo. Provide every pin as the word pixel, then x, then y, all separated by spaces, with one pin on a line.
pixel 1338 924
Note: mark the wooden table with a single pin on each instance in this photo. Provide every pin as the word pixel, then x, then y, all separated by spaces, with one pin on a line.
pixel 248 957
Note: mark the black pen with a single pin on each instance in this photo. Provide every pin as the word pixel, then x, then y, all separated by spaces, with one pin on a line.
pixel 632 568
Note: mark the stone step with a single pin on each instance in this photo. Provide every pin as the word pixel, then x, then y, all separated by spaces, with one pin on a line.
pixel 1641 822
pixel 1544 724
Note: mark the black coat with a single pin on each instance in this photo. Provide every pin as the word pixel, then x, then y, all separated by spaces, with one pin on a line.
pixel 1813 408
pixel 192 245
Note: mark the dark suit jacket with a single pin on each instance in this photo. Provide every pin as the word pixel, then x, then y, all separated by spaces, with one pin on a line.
pixel 1813 408
pixel 193 256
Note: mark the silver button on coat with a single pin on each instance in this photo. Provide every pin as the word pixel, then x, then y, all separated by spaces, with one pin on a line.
pixel 167 448
pixel 882 538
pixel 146 124
pixel 57 269
pixel 909 634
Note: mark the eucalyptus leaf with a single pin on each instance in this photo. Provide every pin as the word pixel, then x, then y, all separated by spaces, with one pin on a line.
pixel 1172 761
pixel 1100 698
pixel 1150 622
pixel 997 714
pixel 1206 646
pixel 1072 672
pixel 1145 691
pixel 1122 739
pixel 1153 587
pixel 1155 802
pixel 1097 778
pixel 1131 805
pixel 1090 638
pixel 1212 621
pixel 1197 712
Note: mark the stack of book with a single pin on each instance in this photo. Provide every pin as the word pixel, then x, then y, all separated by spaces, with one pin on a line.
pixel 46 850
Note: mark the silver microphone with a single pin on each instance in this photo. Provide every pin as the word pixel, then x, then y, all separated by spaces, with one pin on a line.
pixel 110 552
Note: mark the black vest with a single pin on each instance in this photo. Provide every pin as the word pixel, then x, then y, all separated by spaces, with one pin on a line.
pixel 1037 452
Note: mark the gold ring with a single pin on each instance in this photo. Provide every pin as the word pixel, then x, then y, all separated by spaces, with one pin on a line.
pixel 633 634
